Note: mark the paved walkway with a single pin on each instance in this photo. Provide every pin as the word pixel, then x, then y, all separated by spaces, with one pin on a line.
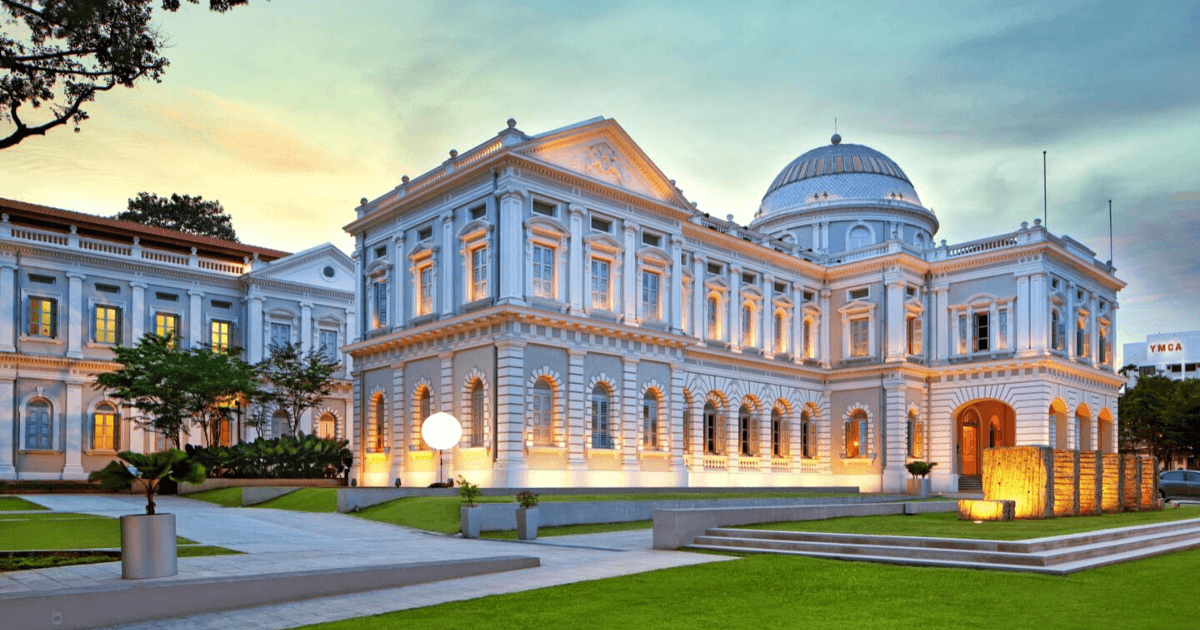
pixel 278 540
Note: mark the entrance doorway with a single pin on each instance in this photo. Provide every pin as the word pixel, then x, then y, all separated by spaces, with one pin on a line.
pixel 983 424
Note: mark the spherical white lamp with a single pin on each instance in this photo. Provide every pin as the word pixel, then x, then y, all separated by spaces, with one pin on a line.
pixel 441 430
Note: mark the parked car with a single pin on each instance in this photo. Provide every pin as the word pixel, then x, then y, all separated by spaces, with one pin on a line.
pixel 1179 484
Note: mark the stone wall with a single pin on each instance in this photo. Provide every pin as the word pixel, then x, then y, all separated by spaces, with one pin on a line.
pixel 1047 483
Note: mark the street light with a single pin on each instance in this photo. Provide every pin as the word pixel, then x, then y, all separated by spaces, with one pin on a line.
pixel 441 431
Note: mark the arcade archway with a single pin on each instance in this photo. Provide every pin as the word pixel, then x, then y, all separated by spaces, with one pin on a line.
pixel 982 424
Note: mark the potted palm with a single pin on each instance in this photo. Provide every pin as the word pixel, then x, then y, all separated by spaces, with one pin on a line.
pixel 527 515
pixel 920 484
pixel 148 540
pixel 469 515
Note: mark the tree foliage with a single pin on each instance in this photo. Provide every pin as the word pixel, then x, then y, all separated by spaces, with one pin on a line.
pixel 56 55
pixel 285 457
pixel 299 380
pixel 1163 415
pixel 149 469
pixel 190 215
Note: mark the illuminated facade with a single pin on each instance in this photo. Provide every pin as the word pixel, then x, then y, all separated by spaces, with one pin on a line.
pixel 590 327
pixel 74 285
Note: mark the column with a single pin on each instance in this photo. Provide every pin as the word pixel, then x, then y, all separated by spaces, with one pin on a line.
pixel 896 340
pixel 398 420
pixel 894 424
pixel 941 332
pixel 510 420
pixel 631 406
pixel 1021 316
pixel 447 267
pixel 306 341
pixel 576 413
pixel 73 431
pixel 137 436
pixel 255 339
pixel 798 324
pixel 994 327
pixel 676 411
pixel 697 438
pixel 825 235
pixel 699 323
pixel 360 284
pixel 349 335
pixel 512 278
pixel 1094 332
pixel 9 307
pixel 8 415
pixel 76 330
pixel 764 436
pixel 767 328
pixel 446 391
pixel 630 294
pixel 400 280
pixel 1039 305
pixel 826 327
pixel 195 323
pixel 576 262
pixel 734 329
pixel 676 271
pixel 137 312
pixel 1069 317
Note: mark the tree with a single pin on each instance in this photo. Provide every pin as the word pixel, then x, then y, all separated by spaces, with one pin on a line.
pixel 190 215
pixel 299 380
pixel 1152 415
pixel 174 388
pixel 61 53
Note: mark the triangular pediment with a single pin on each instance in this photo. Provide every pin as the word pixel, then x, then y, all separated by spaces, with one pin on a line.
pixel 323 266
pixel 602 151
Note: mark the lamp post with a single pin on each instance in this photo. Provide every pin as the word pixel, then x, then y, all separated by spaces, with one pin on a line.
pixel 441 431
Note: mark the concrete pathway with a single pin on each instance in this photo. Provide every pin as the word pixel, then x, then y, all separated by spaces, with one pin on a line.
pixel 278 540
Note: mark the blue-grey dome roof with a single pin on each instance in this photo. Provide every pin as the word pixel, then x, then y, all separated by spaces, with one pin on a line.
pixel 835 159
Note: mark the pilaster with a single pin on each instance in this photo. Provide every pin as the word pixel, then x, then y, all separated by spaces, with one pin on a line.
pixel 8 428
pixel 767 322
pixel 798 341
pixel 630 408
pixel 576 410
pixel 73 431
pixel 1021 316
pixel 76 331
pixel 894 425
pixel 306 340
pixel 512 278
pixel 9 306
pixel 1039 308
pixel 734 329
pixel 447 267
pixel 676 271
pixel 629 295
pixel 676 411
pixel 510 422
pixel 825 327
pixel 896 351
pixel 575 258
pixel 195 321
pixel 699 323
pixel 255 325
pixel 942 334
pixel 137 312
pixel 400 280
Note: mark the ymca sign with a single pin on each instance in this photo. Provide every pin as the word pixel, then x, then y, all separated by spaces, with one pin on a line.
pixel 1172 346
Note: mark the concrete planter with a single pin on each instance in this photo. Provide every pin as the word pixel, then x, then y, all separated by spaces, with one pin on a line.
pixel 920 486
pixel 470 519
pixel 148 546
pixel 527 523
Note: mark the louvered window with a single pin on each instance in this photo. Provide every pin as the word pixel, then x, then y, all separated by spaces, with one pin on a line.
pixel 543 272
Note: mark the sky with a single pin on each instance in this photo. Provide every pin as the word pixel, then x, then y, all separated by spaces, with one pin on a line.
pixel 288 112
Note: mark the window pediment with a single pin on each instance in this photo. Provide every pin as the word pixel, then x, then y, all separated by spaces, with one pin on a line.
pixel 811 308
pixel 857 307
pixel 424 249
pixel 546 226
pixel 782 301
pixel 716 283
pixel 378 267
pixel 913 305
pixel 751 292
pixel 604 242
pixel 650 255
pixel 477 229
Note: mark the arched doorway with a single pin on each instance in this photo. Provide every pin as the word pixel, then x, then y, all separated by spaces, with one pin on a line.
pixel 982 424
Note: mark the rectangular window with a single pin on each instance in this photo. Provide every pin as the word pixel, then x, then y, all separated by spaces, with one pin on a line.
pixel 714 317
pixel 1002 333
pixel 543 272
pixel 600 284
pixel 1102 351
pixel 103 426
pixel 166 297
pixel 222 304
pixel 40 279
pixel 859 294
pixel 167 325
pixel 749 278
pixel 982 332
pixel 601 225
pixel 43 317
pixel 221 333
pixel 650 300
pixel 806 338
pixel 652 240
pixel 914 334
pixel 859 337
pixel 749 319
pixel 381 304
pixel 38 427
pixel 108 325
pixel 650 422
pixel 281 335
pixel 425 290
pixel 715 269
pixel 425 233
pixel 544 208
pixel 780 337
pixel 328 345
pixel 478 212
pixel 685 313
pixel 479 273
pixel 108 288
pixel 963 338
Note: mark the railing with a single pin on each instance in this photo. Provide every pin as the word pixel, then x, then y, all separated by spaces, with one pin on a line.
pixel 781 464
pixel 715 462
pixel 110 248
pixel 981 246
pixel 749 465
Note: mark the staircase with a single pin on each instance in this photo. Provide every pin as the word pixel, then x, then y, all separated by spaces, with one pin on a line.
pixel 970 483
pixel 1058 555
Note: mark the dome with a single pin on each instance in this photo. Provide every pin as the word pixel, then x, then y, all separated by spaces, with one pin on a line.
pixel 839 173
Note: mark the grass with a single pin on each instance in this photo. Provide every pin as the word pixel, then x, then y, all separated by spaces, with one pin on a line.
pixel 17 503
pixel 569 530
pixel 304 500
pixel 66 558
pixel 20 532
pixel 947 525
pixel 775 592
pixel 227 497
pixel 440 514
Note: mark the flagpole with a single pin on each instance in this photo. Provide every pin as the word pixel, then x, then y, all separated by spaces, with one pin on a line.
pixel 1045 214
pixel 1110 235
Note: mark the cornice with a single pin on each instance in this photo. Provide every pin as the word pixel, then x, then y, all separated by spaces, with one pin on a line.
pixel 144 269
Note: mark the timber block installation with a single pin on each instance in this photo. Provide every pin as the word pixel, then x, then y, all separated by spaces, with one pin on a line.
pixel 1045 483
pixel 976 510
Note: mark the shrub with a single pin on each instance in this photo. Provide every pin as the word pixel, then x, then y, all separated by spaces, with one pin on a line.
pixel 527 499
pixel 919 468
pixel 286 457
pixel 468 491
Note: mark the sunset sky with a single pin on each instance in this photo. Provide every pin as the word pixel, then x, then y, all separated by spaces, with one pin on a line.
pixel 288 112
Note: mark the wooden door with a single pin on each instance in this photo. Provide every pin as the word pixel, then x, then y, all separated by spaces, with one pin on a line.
pixel 970 450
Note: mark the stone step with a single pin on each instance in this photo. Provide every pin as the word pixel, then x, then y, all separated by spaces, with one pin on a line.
pixel 857 550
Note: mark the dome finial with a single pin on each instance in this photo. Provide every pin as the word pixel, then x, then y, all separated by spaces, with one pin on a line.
pixel 836 139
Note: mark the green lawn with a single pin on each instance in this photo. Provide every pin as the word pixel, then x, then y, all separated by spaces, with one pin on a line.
pixel 23 563
pixel 20 532
pixel 304 500
pixel 17 503
pixel 228 497
pixel 947 525
pixel 778 592
pixel 569 530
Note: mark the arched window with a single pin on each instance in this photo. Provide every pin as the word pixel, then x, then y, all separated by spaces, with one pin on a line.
pixel 714 436
pixel 280 424
pixel 781 336
pixel 860 236
pixel 747 432
pixel 39 428
pixel 478 400
pixel 327 427
pixel 424 410
pixel 1082 338
pixel 541 413
pixel 749 324
pixel 856 434
pixel 650 421
pixel 919 240
pixel 104 428
pixel 1056 330
pixel 916 436
pixel 808 435
pixel 810 342
pixel 714 316
pixel 1083 431
pixel 601 402
pixel 687 426
pixel 376 428
pixel 779 434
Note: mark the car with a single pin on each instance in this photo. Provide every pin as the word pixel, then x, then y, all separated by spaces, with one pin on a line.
pixel 1179 484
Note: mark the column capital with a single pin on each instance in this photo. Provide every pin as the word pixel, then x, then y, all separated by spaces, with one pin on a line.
pixel 253 297
pixel 306 304
pixel 138 284
pixel 195 293
pixel 511 190
pixel 75 275
pixel 630 227
pixel 576 209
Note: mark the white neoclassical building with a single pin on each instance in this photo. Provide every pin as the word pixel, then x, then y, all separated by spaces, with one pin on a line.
pixel 590 327
pixel 74 285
